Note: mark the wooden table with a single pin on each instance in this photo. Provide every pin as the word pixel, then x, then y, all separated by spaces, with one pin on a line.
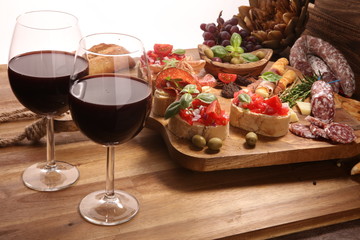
pixel 176 203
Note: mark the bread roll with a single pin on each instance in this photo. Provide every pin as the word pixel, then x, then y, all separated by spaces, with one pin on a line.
pixel 267 125
pixel 161 101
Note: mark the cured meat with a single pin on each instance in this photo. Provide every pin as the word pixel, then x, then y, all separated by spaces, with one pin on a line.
pixel 340 133
pixel 306 45
pixel 301 130
pixel 320 67
pixel 317 131
pixel 315 121
pixel 322 101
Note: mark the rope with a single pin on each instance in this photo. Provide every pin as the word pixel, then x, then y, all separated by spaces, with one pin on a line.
pixel 33 132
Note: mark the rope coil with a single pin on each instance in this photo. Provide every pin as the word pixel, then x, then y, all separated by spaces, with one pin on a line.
pixel 33 132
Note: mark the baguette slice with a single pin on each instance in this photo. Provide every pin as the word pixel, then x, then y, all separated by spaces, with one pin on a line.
pixel 271 126
pixel 182 129
pixel 161 101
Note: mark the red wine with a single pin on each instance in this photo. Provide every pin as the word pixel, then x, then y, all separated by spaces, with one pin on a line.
pixel 110 109
pixel 40 80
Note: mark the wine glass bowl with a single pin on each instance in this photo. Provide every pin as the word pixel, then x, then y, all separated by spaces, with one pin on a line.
pixel 41 60
pixel 110 107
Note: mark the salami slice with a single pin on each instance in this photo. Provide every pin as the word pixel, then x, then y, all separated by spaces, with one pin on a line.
pixel 317 131
pixel 340 133
pixel 301 130
pixel 322 101
pixel 315 121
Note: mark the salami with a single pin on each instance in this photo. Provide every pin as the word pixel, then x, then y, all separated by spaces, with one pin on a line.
pixel 320 67
pixel 317 131
pixel 301 130
pixel 322 101
pixel 334 59
pixel 340 133
pixel 315 121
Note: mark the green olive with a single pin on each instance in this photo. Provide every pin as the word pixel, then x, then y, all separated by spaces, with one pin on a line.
pixel 199 141
pixel 209 53
pixel 251 139
pixel 214 143
pixel 235 60
pixel 260 54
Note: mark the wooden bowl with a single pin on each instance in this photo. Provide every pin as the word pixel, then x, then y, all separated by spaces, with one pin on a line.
pixel 252 68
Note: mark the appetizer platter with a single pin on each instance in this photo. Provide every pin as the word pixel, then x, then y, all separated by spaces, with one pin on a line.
pixel 236 152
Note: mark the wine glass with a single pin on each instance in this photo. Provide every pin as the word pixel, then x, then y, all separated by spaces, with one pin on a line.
pixel 41 60
pixel 110 107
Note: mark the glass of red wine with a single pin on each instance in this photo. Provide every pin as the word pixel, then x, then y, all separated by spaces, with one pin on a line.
pixel 41 60
pixel 110 106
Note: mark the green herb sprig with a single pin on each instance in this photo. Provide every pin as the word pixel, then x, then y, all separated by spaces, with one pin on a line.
pixel 300 91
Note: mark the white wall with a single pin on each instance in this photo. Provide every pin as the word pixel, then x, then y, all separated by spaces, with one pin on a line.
pixel 154 21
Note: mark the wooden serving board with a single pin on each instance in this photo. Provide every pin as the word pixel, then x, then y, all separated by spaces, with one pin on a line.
pixel 268 151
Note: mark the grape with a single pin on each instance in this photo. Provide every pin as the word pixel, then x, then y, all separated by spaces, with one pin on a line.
pixel 225 35
pixel 208 36
pixel 216 59
pixel 234 21
pixel 211 29
pixel 225 43
pixel 251 39
pixel 234 29
pixel 227 27
pixel 249 46
pixel 244 33
pixel 203 26
pixel 210 26
pixel 258 46
pixel 209 43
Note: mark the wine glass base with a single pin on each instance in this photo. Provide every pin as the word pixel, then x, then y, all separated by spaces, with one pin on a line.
pixel 101 210
pixel 42 178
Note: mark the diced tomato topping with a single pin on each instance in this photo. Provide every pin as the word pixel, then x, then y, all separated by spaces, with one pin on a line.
pixel 163 49
pixel 227 77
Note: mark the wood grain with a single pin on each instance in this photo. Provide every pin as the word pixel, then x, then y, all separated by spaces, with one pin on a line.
pixel 175 203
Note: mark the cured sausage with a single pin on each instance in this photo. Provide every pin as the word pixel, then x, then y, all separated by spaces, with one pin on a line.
pixel 316 121
pixel 340 133
pixel 301 130
pixel 306 45
pixel 322 101
pixel 317 131
pixel 320 67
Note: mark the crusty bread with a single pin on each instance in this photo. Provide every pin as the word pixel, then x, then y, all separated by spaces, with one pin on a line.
pixel 272 126
pixel 161 101
pixel 182 129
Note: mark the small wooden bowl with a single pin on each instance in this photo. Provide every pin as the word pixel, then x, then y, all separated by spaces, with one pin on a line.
pixel 252 68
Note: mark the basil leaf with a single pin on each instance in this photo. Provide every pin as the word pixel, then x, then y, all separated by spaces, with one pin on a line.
pixel 190 88
pixel 172 109
pixel 243 97
pixel 219 51
pixel 249 57
pixel 230 48
pixel 179 51
pixel 235 40
pixel 206 97
pixel 185 100
pixel 270 76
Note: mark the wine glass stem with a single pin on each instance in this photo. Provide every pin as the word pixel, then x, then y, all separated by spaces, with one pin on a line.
pixel 50 143
pixel 110 157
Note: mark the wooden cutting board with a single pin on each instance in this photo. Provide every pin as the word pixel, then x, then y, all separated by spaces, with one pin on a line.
pixel 268 151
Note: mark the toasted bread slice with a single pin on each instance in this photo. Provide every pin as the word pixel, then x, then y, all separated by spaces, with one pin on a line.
pixel 182 129
pixel 161 101
pixel 267 125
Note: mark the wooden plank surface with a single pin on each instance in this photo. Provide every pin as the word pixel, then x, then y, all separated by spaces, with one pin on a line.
pixel 175 203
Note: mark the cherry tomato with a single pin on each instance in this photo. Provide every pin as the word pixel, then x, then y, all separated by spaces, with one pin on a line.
pixel 227 77
pixel 163 49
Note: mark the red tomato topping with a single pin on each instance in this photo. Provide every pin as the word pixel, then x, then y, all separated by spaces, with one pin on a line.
pixel 163 49
pixel 227 77
pixel 270 106
pixel 207 114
